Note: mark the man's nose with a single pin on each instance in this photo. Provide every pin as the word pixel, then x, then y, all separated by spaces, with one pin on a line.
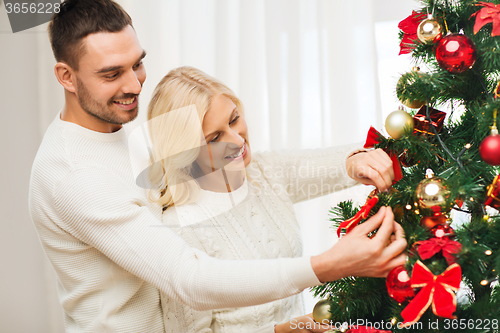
pixel 133 84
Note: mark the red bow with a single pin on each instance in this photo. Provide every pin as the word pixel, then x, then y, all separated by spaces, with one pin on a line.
pixel 449 248
pixel 349 224
pixel 371 140
pixel 437 290
pixel 490 13
pixel 409 26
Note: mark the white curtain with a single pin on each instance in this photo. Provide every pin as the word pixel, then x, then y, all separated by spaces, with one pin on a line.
pixel 306 71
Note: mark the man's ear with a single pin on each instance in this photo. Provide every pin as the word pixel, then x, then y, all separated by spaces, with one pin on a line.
pixel 66 76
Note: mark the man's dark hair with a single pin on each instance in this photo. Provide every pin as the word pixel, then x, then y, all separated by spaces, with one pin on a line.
pixel 79 18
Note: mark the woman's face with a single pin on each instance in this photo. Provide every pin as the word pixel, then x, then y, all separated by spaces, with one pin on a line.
pixel 226 135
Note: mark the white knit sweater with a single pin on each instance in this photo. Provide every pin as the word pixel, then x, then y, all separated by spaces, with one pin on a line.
pixel 256 221
pixel 113 255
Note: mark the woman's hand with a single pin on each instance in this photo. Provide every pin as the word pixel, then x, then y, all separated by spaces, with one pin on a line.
pixel 304 324
pixel 357 255
pixel 373 167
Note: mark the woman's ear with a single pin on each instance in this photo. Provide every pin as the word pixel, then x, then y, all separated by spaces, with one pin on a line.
pixel 65 75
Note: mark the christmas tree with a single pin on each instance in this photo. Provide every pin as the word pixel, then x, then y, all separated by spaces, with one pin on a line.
pixel 445 148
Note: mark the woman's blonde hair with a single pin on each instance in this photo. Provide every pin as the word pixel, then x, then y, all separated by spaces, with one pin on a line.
pixel 175 117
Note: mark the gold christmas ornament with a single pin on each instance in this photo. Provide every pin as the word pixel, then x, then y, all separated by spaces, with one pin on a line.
pixel 429 31
pixel 401 87
pixel 397 122
pixel 432 196
pixel 321 311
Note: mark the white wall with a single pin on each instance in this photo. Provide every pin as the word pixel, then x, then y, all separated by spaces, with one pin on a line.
pixel 25 292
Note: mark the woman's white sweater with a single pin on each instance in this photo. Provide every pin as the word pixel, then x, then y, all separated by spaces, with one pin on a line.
pixel 255 221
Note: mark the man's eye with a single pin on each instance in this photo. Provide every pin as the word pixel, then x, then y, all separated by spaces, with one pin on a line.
pixel 111 76
pixel 234 120
pixel 138 65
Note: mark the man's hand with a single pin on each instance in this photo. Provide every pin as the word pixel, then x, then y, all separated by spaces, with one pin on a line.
pixel 358 255
pixel 371 168
pixel 304 324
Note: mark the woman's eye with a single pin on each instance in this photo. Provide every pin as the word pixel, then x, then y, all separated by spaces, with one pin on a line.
pixel 216 138
pixel 234 120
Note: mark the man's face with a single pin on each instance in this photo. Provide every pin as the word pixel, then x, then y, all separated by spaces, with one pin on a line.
pixel 110 76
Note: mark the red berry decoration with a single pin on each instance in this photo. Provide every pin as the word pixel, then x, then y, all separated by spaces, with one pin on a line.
pixel 398 284
pixel 441 231
pixel 456 53
pixel 490 149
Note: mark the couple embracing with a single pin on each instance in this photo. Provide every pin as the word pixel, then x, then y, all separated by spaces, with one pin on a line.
pixel 229 259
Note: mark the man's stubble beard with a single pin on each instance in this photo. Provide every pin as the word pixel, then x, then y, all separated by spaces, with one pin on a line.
pixel 102 112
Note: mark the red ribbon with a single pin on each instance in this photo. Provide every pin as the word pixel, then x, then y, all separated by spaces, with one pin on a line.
pixel 409 27
pixel 372 139
pixel 437 290
pixel 449 248
pixel 349 224
pixel 492 195
pixel 490 13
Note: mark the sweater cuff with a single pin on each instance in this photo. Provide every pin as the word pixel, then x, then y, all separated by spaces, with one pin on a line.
pixel 301 273
pixel 351 150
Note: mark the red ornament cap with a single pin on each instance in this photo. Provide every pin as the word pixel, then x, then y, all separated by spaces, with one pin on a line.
pixel 456 53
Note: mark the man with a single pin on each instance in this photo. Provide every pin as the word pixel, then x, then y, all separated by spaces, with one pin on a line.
pixel 100 231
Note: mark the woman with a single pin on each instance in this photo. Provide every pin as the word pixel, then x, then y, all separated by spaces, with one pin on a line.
pixel 228 202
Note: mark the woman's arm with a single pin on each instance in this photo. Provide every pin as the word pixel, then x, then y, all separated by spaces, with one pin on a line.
pixel 305 174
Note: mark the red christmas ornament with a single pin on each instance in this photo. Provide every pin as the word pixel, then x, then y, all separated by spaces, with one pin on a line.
pixel 431 221
pixel 456 53
pixel 490 149
pixel 398 284
pixel 443 230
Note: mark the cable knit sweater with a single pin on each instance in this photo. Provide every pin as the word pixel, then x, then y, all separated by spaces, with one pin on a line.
pixel 256 221
pixel 113 255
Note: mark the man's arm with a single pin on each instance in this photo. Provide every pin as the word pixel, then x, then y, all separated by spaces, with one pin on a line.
pixel 109 216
